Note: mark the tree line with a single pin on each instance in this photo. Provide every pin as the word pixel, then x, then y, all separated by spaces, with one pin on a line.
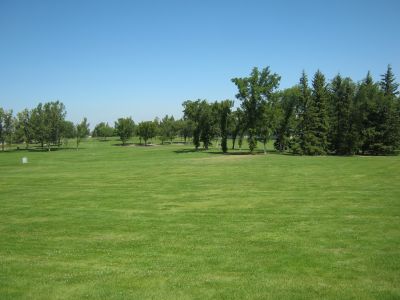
pixel 339 117
pixel 44 125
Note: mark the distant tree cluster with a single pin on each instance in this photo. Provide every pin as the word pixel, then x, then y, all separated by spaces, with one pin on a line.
pixel 166 130
pixel 208 121
pixel 44 125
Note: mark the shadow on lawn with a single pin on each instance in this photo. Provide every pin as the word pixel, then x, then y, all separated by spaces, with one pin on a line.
pixel 39 149
pixel 134 145
pixel 232 152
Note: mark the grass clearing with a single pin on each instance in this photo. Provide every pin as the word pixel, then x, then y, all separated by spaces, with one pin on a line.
pixel 169 223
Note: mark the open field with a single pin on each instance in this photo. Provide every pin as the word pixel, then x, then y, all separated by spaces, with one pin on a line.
pixel 168 223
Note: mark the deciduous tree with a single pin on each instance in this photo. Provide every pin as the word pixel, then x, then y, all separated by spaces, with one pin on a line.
pixel 124 128
pixel 254 92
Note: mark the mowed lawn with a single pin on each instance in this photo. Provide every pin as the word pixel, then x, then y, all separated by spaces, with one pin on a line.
pixel 164 222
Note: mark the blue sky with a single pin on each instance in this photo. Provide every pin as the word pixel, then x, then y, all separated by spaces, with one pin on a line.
pixel 109 59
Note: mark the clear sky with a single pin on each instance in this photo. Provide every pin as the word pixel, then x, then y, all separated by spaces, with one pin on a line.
pixel 109 59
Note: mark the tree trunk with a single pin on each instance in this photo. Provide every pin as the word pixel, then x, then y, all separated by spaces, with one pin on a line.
pixel 233 142
pixel 265 148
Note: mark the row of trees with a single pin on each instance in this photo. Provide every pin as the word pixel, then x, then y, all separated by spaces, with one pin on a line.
pixel 167 129
pixel 340 117
pixel 45 125
pixel 337 117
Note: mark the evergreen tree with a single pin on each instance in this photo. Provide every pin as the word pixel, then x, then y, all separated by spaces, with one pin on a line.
pixel 301 116
pixel 341 135
pixel 316 118
pixel 388 83
pixel 390 111
pixel 376 118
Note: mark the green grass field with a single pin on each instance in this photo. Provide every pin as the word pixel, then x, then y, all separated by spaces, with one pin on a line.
pixel 164 222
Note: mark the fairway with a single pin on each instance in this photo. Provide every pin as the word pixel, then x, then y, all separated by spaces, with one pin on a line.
pixel 165 222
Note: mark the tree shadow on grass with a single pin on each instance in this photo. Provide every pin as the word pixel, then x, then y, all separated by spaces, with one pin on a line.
pixel 135 145
pixel 191 150
pixel 39 149
pixel 124 145
pixel 52 149
pixel 234 152
pixel 217 152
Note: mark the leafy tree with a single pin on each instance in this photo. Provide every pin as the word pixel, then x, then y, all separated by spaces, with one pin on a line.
pixel 6 127
pixel 39 125
pixel 147 130
pixel 192 113
pixel 23 127
pixel 2 135
pixel 9 127
pixel 269 121
pixel 168 129
pixel 69 130
pixel 254 92
pixel 236 125
pixel 208 124
pixel 224 110
pixel 54 120
pixel 184 129
pixel 200 113
pixel 287 123
pixel 82 131
pixel 47 123
pixel 124 128
pixel 103 130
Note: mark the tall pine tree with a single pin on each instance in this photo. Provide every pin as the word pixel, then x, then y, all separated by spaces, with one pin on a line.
pixel 372 117
pixel 315 136
pixel 301 121
pixel 341 134
pixel 390 111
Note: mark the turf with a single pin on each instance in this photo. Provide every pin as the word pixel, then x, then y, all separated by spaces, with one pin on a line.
pixel 165 222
